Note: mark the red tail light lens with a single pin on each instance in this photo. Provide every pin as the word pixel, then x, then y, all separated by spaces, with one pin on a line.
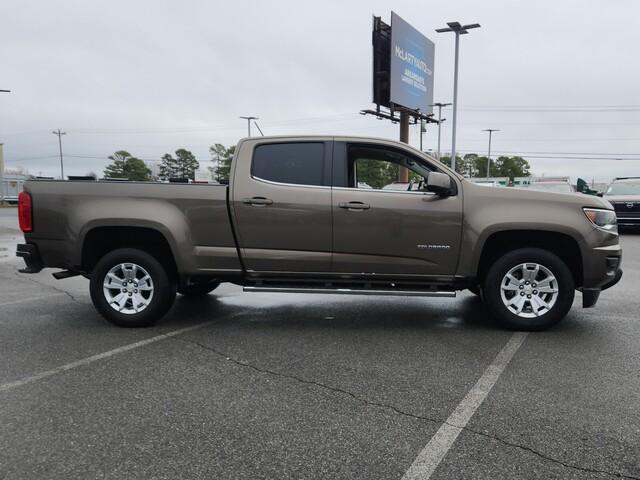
pixel 25 212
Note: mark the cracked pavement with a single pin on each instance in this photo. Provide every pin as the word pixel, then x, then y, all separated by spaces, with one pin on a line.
pixel 295 386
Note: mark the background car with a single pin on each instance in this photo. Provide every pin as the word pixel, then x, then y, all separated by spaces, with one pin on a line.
pixel 557 186
pixel 624 195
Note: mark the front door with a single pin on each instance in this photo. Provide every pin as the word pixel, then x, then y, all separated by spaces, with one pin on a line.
pixel 383 227
pixel 281 203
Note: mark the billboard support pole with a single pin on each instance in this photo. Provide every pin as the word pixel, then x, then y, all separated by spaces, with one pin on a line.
pixel 403 173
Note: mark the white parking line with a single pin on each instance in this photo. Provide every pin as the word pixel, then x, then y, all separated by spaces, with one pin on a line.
pixel 432 454
pixel 31 299
pixel 85 361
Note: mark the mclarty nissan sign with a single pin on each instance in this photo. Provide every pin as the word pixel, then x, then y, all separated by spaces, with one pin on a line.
pixel 412 56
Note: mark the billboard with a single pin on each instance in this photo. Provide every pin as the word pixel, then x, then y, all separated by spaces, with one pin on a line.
pixel 411 75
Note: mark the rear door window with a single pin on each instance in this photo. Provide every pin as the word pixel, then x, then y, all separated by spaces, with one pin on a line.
pixel 300 163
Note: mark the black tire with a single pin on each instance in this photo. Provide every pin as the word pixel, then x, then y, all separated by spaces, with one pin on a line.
pixel 199 289
pixel 508 318
pixel 161 299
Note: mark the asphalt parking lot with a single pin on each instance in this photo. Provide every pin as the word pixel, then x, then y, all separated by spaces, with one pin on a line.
pixel 284 386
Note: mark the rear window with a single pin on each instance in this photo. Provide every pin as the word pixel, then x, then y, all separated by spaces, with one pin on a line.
pixel 297 163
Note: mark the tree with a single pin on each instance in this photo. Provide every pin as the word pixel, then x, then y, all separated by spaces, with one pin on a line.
pixel 461 164
pixel 222 156
pixel 512 167
pixel 125 165
pixel 184 165
pixel 376 173
pixel 474 165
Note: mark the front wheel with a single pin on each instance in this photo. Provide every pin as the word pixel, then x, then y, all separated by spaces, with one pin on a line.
pixel 529 289
pixel 130 288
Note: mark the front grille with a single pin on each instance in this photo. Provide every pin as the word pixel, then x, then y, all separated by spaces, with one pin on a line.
pixel 626 207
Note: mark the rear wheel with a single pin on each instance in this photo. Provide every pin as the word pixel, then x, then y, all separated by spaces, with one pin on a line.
pixel 130 288
pixel 529 289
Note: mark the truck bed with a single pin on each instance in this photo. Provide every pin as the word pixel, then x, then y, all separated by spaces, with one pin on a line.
pixel 193 218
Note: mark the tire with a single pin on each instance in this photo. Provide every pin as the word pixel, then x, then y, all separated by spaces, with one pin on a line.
pixel 149 289
pixel 199 289
pixel 504 295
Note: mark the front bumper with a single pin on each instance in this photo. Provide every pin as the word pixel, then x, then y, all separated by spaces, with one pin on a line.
pixel 590 295
pixel 629 221
pixel 31 256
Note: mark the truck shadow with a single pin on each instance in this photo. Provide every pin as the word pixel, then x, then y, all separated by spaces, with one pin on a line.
pixel 331 311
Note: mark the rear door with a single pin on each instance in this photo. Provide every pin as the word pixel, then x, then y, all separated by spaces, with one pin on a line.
pixel 281 202
pixel 380 227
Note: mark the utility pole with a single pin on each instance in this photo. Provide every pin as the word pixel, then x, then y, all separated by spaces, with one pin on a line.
pixel 248 119
pixel 440 120
pixel 258 127
pixel 2 165
pixel 458 29
pixel 1 174
pixel 59 134
pixel 490 130
pixel 403 173
pixel 423 129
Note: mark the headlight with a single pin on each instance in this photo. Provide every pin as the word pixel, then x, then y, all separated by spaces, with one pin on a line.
pixel 603 219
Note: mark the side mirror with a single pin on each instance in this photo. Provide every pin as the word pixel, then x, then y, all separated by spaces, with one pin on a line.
pixel 600 194
pixel 439 183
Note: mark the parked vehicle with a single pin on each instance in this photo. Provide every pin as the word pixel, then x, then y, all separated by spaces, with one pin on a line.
pixel 486 183
pixel 624 195
pixel 293 219
pixel 490 182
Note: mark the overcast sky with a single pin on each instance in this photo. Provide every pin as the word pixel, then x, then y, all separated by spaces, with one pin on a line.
pixel 559 78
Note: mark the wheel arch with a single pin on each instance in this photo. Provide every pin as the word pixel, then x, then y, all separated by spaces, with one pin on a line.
pixel 100 240
pixel 561 244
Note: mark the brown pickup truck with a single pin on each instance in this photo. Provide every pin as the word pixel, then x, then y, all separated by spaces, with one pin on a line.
pixel 312 214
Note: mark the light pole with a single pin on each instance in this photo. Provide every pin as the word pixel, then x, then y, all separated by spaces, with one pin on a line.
pixel 440 120
pixel 248 119
pixel 59 134
pixel 490 130
pixel 458 29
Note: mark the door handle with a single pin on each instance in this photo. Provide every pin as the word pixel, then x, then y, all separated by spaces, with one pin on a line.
pixel 354 205
pixel 257 201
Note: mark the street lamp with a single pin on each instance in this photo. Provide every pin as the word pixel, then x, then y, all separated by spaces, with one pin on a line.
pixel 440 120
pixel 248 119
pixel 458 29
pixel 490 130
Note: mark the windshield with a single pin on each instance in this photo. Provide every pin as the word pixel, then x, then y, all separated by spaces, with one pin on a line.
pixel 624 188
pixel 552 187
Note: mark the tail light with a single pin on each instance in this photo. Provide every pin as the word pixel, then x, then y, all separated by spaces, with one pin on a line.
pixel 25 212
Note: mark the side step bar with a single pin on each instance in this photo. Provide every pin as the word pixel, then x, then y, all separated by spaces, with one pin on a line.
pixel 353 291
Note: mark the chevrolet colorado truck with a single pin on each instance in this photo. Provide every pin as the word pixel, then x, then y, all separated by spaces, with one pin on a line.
pixel 310 214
